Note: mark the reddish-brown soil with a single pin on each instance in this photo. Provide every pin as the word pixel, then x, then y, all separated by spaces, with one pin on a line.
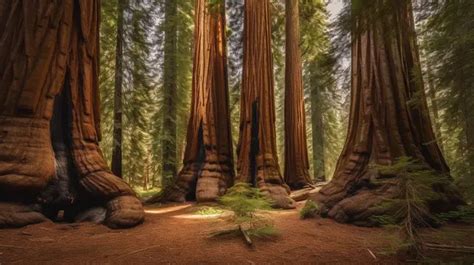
pixel 175 234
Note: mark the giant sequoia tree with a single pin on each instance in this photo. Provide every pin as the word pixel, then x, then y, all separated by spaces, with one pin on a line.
pixel 257 151
pixel 389 115
pixel 208 163
pixel 49 109
pixel 296 150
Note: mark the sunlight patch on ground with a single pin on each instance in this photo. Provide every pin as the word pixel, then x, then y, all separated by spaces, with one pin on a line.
pixel 281 212
pixel 167 209
pixel 198 216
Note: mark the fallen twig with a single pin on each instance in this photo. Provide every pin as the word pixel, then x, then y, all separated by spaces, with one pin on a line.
pixel 246 236
pixel 450 248
pixel 11 246
pixel 138 251
pixel 372 254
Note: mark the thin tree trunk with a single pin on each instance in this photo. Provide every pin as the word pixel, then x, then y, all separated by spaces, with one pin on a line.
pixel 469 130
pixel 389 117
pixel 170 88
pixel 317 134
pixel 208 163
pixel 296 149
pixel 434 107
pixel 257 151
pixel 117 134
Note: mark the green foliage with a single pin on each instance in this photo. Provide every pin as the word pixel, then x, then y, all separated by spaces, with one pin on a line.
pixel 147 193
pixel 244 201
pixel 446 39
pixel 206 210
pixel 463 214
pixel 247 204
pixel 409 209
pixel 310 210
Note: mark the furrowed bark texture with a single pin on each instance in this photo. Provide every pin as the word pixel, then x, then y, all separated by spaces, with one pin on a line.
pixel 47 47
pixel 296 149
pixel 257 151
pixel 208 163
pixel 389 116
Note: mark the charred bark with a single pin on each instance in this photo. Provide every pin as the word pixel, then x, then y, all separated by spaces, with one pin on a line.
pixel 296 149
pixel 208 163
pixel 257 151
pixel 118 110
pixel 47 49
pixel 389 116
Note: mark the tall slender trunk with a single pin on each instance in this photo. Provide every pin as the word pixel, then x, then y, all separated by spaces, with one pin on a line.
pixel 389 117
pixel 317 133
pixel 296 149
pixel 468 129
pixel 434 107
pixel 208 162
pixel 118 134
pixel 257 151
pixel 170 88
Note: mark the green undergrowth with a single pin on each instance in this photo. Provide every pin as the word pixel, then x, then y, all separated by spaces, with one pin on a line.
pixel 410 211
pixel 310 210
pixel 209 210
pixel 249 212
pixel 147 193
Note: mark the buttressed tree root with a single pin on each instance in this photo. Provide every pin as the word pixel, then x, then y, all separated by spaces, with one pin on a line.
pixel 208 163
pixel 49 118
pixel 389 117
pixel 257 152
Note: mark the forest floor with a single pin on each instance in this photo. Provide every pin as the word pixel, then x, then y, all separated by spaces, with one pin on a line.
pixel 176 234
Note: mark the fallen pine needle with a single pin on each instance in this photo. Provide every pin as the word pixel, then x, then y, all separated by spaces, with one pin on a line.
pixel 372 254
pixel 11 246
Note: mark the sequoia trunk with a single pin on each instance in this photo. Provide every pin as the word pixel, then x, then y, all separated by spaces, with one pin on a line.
pixel 48 50
pixel 257 151
pixel 208 163
pixel 389 116
pixel 296 149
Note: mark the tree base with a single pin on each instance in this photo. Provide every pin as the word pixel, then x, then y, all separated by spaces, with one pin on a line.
pixel 358 203
pixel 14 215
pixel 278 195
pixel 26 156
pixel 208 187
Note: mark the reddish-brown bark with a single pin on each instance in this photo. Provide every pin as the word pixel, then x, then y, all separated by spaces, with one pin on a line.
pixel 208 163
pixel 47 48
pixel 257 152
pixel 389 116
pixel 296 149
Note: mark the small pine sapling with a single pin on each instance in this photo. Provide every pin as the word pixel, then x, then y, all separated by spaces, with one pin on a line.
pixel 410 209
pixel 248 219
pixel 310 210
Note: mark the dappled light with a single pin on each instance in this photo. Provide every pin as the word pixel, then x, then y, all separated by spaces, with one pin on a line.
pixel 236 132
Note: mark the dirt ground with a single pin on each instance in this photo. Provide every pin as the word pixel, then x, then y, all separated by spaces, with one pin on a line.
pixel 175 234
